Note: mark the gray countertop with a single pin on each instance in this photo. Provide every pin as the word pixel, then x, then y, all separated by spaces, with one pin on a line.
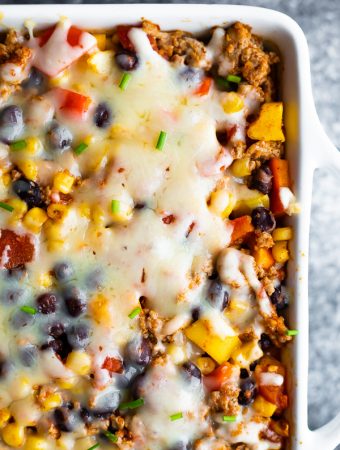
pixel 320 22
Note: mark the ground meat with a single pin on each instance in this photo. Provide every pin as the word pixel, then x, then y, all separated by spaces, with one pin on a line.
pixel 263 240
pixel 247 336
pixel 265 150
pixel 276 329
pixel 238 150
pixel 177 46
pixel 271 436
pixel 225 400
pixel 151 325
pixel 246 56
pixel 240 447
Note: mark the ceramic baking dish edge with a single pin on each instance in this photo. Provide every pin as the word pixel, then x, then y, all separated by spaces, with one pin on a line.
pixel 307 149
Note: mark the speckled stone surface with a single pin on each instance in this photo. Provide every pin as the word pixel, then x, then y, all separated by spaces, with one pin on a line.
pixel 320 21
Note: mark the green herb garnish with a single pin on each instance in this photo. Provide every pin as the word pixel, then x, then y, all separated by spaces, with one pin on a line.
pixel 135 312
pixel 28 310
pixel 229 418
pixel 125 81
pixel 111 437
pixel 6 206
pixel 18 145
pixel 234 79
pixel 93 447
pixel 161 140
pixel 222 83
pixel 292 332
pixel 115 206
pixel 132 405
pixel 176 416
pixel 80 148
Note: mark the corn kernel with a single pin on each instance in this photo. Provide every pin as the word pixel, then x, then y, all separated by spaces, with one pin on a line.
pixel 6 179
pixel 36 443
pixel 100 310
pixel 50 401
pixel 79 362
pixel 67 383
pixel 176 353
pixel 232 103
pixel 56 211
pixel 34 219
pixel 33 146
pixel 45 280
pixel 84 210
pixel 101 62
pixel 246 205
pixel 89 139
pixel 13 435
pixel 20 208
pixel 4 416
pixel 221 203
pixel 20 388
pixel 280 252
pixel 101 40
pixel 55 245
pixel 98 215
pixel 283 234
pixel 29 168
pixel 241 167
pixel 205 364
pixel 63 182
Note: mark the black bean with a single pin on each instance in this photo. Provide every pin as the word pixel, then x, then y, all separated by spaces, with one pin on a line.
pixel 265 342
pixel 60 346
pixel 63 271
pixel 22 319
pixel 5 367
pixel 106 404
pixel 139 352
pixel 191 76
pixel 64 419
pixel 47 303
pixel 247 393
pixel 244 373
pixel 11 296
pixel 79 335
pixel 56 329
pixel 126 60
pixel 195 313
pixel 85 415
pixel 180 446
pixel 103 115
pixel 136 387
pixel 253 365
pixel 94 280
pixel 262 179
pixel 263 219
pixel 29 192
pixel 59 137
pixel 11 123
pixel 35 80
pixel 75 301
pixel 279 299
pixel 28 355
pixel 218 296
pixel 191 370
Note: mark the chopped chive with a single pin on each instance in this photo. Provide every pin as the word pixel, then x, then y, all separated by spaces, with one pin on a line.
pixel 115 206
pixel 223 83
pixel 6 206
pixel 93 447
pixel 125 81
pixel 229 418
pixel 234 79
pixel 161 140
pixel 28 309
pixel 176 416
pixel 111 437
pixel 135 312
pixel 80 148
pixel 292 332
pixel 132 405
pixel 19 145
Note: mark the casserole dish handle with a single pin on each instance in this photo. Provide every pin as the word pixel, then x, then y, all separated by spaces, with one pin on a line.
pixel 326 155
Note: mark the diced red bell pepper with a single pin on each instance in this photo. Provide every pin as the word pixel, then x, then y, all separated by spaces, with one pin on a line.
pixel 204 87
pixel 280 171
pixel 122 33
pixel 218 377
pixel 242 228
pixel 70 102
pixel 73 36
pixel 113 365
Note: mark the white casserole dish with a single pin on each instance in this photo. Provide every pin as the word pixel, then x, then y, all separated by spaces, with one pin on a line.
pixel 307 148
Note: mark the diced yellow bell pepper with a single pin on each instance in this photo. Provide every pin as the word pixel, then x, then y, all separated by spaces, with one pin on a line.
pixel 201 333
pixel 241 167
pixel 268 125
pixel 283 234
pixel 101 62
pixel 280 252
pixel 263 407
pixel 263 258
pixel 247 353
pixel 236 309
pixel 221 203
pixel 246 205
pixel 232 102
pixel 101 40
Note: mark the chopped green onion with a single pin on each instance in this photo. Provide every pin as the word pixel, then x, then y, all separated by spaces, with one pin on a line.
pixel 93 447
pixel 234 79
pixel 223 84
pixel 229 418
pixel 176 416
pixel 292 332
pixel 161 140
pixel 80 148
pixel 6 207
pixel 125 81
pixel 115 206
pixel 135 312
pixel 111 437
pixel 19 145
pixel 132 405
pixel 28 310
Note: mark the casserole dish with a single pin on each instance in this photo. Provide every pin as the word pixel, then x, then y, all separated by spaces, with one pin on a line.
pixel 302 146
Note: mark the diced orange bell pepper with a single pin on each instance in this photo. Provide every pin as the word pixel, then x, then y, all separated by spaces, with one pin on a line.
pixel 280 171
pixel 74 104
pixel 204 87
pixel 242 228
pixel 273 394
pixel 263 258
pixel 218 377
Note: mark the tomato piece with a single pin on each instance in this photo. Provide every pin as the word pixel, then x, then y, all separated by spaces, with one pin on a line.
pixel 204 87
pixel 218 377
pixel 72 103
pixel 73 36
pixel 113 365
pixel 122 33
